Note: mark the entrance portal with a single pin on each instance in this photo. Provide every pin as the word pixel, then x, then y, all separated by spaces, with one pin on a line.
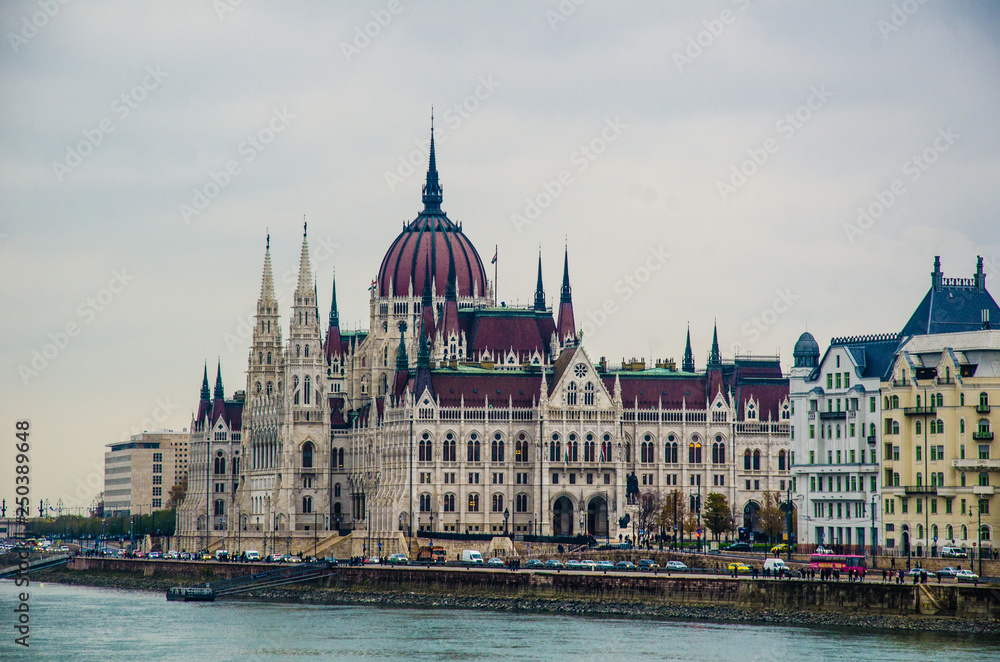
pixel 562 517
pixel 597 517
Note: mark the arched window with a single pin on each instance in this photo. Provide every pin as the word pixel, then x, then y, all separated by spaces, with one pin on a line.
pixel 235 465
pixel 425 448
pixel 336 490
pixel 871 429
pixel 521 448
pixel 917 430
pixel 895 426
pixel 257 387
pixel 305 351
pixel 984 532
pixel 747 460
pixel 965 532
pixel 719 451
pixel 984 479
pixel 449 446
pixel 269 358
pixel 694 452
pixel 425 502
pixel 555 449
pixel 588 394
pixel 984 400
pixel 298 351
pixel 589 452
pixel 220 507
pixel 307 504
pixel 961 425
pixel 220 464
pixel 628 451
pixel 521 503
pixel 950 532
pixel 473 450
pixel 781 460
pixel 270 389
pixel 497 503
pixel 571 394
pixel 984 426
pixel 306 389
pixel 756 460
pixel 340 458
pixel 920 479
pixel 473 503
pixel 920 527
pixel 572 449
pixel 383 384
pixel 895 402
pixel 307 455
pixel 496 448
pixel 448 503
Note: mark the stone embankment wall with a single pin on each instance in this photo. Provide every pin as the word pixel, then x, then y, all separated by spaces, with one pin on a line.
pixel 871 597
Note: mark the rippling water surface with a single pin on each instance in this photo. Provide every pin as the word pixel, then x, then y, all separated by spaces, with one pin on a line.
pixel 77 623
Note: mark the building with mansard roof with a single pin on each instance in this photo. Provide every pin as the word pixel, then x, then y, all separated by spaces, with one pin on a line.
pixel 850 439
pixel 451 414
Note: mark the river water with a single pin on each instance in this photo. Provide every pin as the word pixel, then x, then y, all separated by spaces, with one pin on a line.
pixel 80 623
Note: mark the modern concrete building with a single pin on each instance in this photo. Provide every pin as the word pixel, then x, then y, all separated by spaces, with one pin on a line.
pixel 139 473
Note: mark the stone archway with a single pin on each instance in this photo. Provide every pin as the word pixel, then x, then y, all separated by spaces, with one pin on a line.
pixel 597 517
pixel 562 517
pixel 751 518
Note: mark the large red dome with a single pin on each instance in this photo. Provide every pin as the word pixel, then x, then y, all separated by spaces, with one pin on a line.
pixel 433 241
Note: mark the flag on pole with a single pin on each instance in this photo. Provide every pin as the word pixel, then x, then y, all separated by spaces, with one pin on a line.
pixel 494 260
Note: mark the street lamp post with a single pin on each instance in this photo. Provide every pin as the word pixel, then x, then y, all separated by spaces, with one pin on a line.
pixel 506 516
pixel 874 533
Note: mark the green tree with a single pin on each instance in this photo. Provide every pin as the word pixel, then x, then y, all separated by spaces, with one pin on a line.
pixel 717 515
pixel 177 494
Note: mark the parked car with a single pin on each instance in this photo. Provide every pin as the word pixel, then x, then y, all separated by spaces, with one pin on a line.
pixel 918 572
pixel 573 564
pixel 739 568
pixel 780 548
pixel 156 555
pixel 292 559
pixel 496 562
pixel 605 566
pixel 675 566
pixel 553 564
pixel 740 547
pixel 534 564
pixel 625 565
pixel 398 559
pixel 588 564
pixel 966 576
pixel 648 564
pixel 944 573
pixel 953 553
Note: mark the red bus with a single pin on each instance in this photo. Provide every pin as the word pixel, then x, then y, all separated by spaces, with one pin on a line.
pixel 840 562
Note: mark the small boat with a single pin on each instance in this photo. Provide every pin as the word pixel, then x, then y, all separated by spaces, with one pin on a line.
pixel 190 594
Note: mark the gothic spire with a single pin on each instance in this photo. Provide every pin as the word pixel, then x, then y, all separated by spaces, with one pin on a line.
pixel 402 361
pixel 424 354
pixel 432 189
pixel 267 280
pixel 566 324
pixel 566 296
pixel 451 292
pixel 219 391
pixel 539 290
pixel 715 359
pixel 334 315
pixel 206 395
pixel 305 273
pixel 688 365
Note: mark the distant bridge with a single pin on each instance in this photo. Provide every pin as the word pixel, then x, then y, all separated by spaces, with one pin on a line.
pixel 40 563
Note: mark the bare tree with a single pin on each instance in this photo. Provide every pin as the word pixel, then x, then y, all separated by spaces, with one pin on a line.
pixel 177 494
pixel 672 514
pixel 650 507
pixel 772 518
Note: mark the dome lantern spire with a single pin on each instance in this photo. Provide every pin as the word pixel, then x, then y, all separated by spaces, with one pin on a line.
pixel 432 189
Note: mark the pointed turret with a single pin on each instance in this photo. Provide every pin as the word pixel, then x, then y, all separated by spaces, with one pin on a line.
pixel 539 290
pixel 566 325
pixel 432 188
pixel 449 320
pixel 332 345
pixel 424 354
pixel 220 393
pixel 305 272
pixel 427 304
pixel 715 358
pixel 402 360
pixel 206 395
pixel 267 280
pixel 688 365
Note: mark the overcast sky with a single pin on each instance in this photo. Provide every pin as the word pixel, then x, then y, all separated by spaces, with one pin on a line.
pixel 703 160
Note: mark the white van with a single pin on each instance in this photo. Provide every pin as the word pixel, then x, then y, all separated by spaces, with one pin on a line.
pixel 253 555
pixel 471 556
pixel 774 566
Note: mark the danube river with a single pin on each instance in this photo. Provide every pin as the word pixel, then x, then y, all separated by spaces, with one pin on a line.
pixel 79 623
